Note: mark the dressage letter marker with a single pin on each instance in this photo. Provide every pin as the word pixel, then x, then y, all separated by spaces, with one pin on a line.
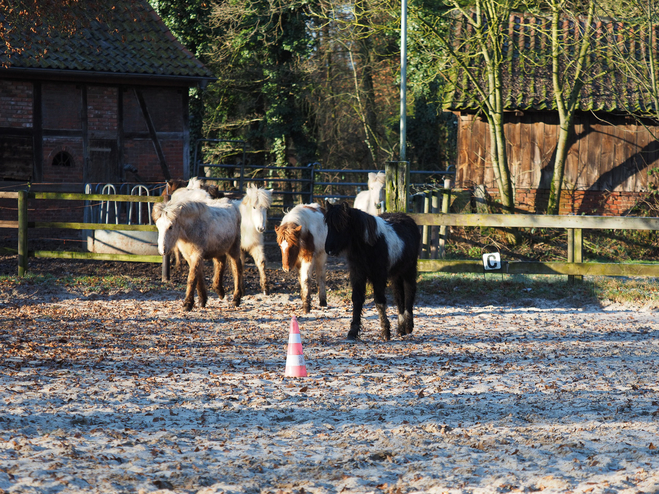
pixel 492 261
pixel 295 366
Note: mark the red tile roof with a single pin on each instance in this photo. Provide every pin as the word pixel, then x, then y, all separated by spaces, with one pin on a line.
pixel 126 39
pixel 527 69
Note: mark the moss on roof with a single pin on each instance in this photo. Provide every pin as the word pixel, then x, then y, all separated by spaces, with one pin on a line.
pixel 527 69
pixel 121 37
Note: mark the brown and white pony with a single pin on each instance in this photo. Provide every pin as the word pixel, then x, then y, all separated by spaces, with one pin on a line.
pixel 201 228
pixel 301 237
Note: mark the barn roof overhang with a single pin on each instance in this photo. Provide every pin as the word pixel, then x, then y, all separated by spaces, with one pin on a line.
pixel 95 77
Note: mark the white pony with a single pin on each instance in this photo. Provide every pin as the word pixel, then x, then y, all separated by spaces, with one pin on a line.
pixel 301 237
pixel 253 209
pixel 372 201
pixel 201 228
pixel 253 219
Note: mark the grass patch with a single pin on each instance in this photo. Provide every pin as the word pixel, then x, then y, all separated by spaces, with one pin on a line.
pixel 85 284
pixel 497 289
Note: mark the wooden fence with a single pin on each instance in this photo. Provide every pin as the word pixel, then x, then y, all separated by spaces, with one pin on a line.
pixel 574 226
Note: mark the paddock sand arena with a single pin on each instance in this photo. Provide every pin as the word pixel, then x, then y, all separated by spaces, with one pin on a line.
pixel 125 392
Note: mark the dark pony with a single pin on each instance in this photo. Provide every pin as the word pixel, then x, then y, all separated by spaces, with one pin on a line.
pixel 377 249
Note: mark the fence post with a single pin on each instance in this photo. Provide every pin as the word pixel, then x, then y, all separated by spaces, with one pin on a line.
pixel 165 268
pixel 446 203
pixel 22 232
pixel 435 230
pixel 578 250
pixel 397 186
pixel 426 228
pixel 570 250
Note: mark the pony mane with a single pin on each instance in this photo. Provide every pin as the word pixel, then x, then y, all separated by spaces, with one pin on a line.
pixel 174 210
pixel 255 196
pixel 353 221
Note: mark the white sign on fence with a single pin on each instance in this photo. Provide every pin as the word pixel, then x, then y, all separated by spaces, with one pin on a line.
pixel 492 261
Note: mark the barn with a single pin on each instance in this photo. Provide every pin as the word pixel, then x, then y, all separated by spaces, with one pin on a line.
pixel 614 150
pixel 105 102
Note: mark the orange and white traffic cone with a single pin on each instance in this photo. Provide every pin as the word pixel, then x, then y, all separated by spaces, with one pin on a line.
pixel 295 366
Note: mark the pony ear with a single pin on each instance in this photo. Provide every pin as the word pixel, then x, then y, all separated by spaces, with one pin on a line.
pixel 345 207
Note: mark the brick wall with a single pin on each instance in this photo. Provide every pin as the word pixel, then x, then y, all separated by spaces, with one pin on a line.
pixel 61 106
pixel 15 104
pixel 142 155
pixel 102 112
pixel 63 174
pixel 592 203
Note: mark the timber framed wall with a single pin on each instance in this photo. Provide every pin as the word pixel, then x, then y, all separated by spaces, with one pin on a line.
pixel 608 167
pixel 101 128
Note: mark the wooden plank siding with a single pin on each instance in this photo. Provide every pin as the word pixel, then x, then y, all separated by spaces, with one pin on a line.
pixel 609 154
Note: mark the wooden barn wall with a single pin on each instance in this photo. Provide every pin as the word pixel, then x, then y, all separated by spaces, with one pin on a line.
pixel 609 155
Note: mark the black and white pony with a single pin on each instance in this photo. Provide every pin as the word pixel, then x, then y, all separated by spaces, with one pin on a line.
pixel 377 248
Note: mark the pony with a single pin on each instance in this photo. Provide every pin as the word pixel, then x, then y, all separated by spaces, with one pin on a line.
pixel 253 209
pixel 201 228
pixel 372 201
pixel 301 237
pixel 171 186
pixel 377 248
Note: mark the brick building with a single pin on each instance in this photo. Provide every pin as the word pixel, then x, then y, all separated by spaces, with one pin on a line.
pixel 107 103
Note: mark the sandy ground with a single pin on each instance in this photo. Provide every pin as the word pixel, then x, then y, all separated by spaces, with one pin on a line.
pixel 125 392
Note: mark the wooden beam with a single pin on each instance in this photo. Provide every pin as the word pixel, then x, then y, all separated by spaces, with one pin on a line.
pixel 92 226
pixel 551 268
pixel 57 254
pixel 538 221
pixel 153 134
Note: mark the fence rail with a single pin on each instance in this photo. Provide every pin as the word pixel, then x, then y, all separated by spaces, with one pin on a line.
pixel 573 225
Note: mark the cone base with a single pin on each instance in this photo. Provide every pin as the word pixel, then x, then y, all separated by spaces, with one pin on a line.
pixel 296 372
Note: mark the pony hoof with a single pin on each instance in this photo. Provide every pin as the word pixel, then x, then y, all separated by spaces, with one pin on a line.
pixel 188 307
pixel 323 303
pixel 236 301
pixel 386 335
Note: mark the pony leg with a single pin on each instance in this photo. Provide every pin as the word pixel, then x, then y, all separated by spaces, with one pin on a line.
pixel 195 276
pixel 410 294
pixel 305 276
pixel 358 298
pixel 320 260
pixel 242 283
pixel 398 286
pixel 201 285
pixel 237 269
pixel 219 265
pixel 381 305
pixel 258 254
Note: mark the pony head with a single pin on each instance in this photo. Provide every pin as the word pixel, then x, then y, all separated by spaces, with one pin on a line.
pixel 168 222
pixel 256 204
pixel 345 223
pixel 288 238
pixel 376 182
